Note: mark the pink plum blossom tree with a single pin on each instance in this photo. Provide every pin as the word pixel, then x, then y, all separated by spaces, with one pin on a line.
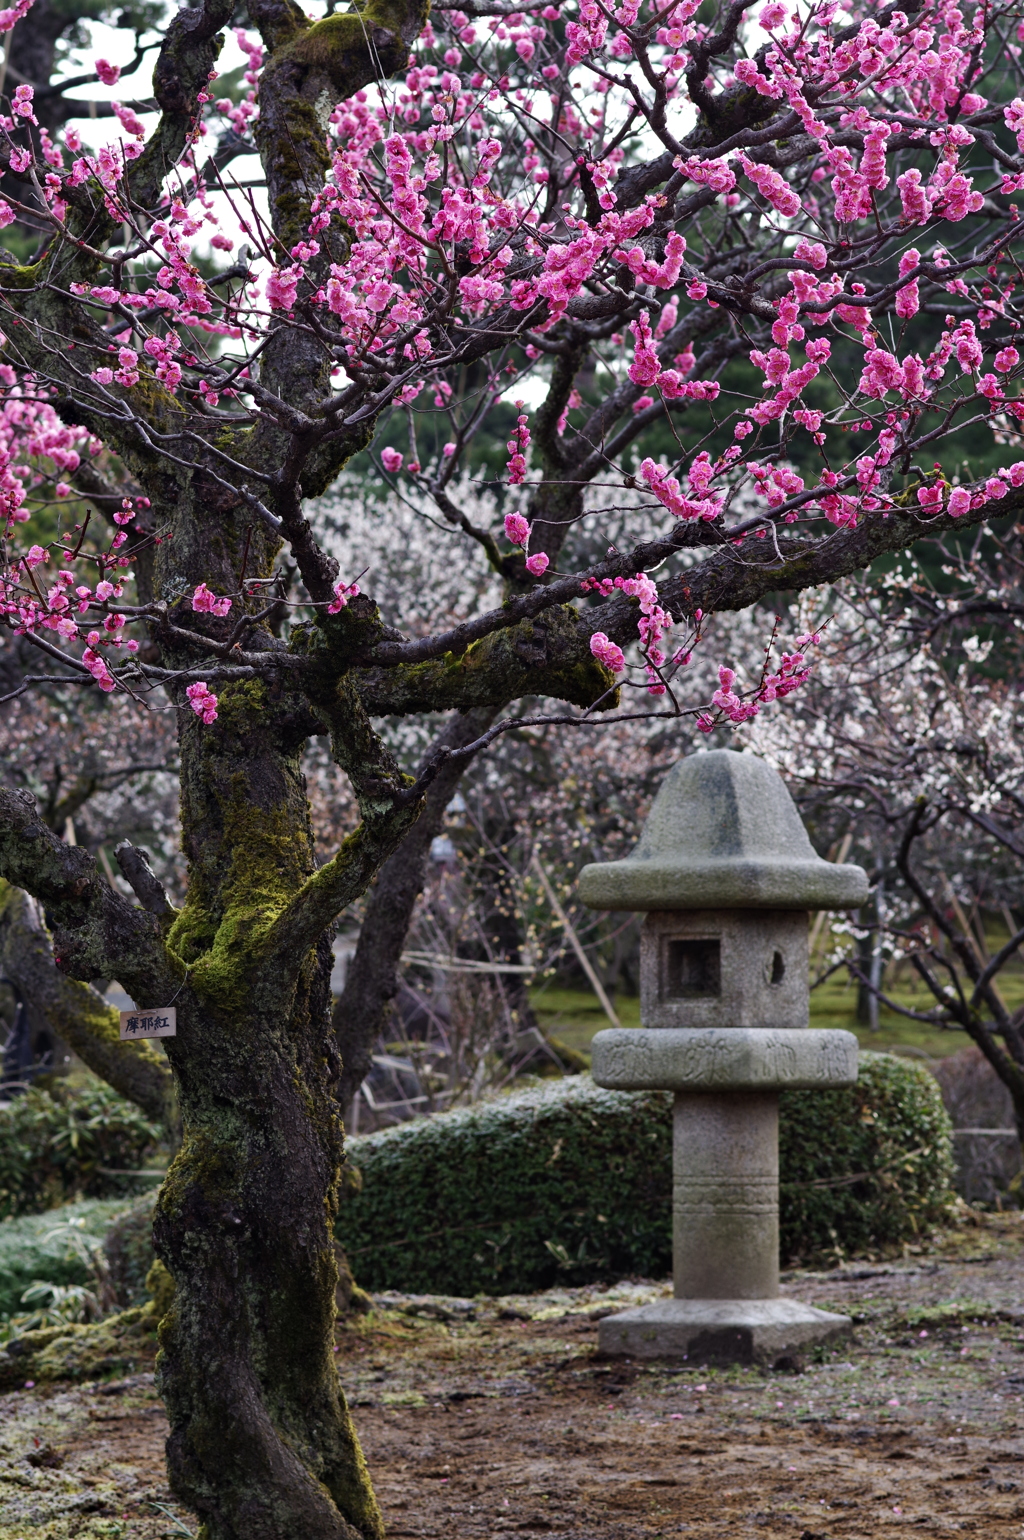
pixel 757 269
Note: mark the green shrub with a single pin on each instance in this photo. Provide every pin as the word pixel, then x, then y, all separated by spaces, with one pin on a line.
pixel 864 1167
pixel 27 1255
pixel 64 1143
pixel 573 1183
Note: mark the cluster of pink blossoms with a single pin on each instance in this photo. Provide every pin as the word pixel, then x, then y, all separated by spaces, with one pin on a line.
pixel 932 497
pixel 415 209
pixel 517 447
pixel 646 368
pixel 653 623
pixel 343 592
pixel 517 531
pixel 702 503
pixel 204 601
pixel 792 673
pixel 203 702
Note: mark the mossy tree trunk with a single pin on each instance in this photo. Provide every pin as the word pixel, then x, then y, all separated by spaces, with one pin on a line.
pixel 262 1445
pixel 261 1440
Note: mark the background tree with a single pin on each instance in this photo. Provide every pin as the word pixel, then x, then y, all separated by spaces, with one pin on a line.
pixel 908 744
pixel 505 227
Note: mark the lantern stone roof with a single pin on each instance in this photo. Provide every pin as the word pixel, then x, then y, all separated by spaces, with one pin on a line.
pixel 723 833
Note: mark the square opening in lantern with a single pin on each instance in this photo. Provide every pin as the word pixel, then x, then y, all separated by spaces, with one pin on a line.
pixel 691 968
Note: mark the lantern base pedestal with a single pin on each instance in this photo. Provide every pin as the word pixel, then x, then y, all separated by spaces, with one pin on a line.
pixel 720 1331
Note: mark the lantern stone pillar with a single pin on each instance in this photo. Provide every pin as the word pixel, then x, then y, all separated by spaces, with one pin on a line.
pixel 727 875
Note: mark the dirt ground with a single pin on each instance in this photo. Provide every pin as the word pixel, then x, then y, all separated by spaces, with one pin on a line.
pixel 491 1418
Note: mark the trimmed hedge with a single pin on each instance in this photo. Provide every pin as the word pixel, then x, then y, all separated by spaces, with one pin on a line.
pixel 572 1183
pixel 62 1143
pixel 884 1147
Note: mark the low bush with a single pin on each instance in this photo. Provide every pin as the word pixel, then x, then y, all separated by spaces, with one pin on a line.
pixel 572 1183
pixel 69 1142
pixel 30 1252
pixel 866 1167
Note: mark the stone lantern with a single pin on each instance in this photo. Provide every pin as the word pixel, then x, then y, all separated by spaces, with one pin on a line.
pixel 727 875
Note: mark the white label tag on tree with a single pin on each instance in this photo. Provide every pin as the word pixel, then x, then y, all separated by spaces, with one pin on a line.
pixel 159 1023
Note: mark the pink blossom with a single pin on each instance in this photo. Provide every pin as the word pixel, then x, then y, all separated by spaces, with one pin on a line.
pixel 343 592
pixel 391 459
pixel 204 600
pixel 917 205
pixel 110 74
pixel 128 372
pixel 882 372
pixel 282 286
pixel 908 300
pixel 21 102
pixel 685 361
pixel 771 186
pixel 811 251
pixel 913 377
pixel 667 319
pixel 969 351
pixel 129 121
pixel 1006 359
pixel 98 668
pixel 203 702
pixel 747 71
pixel 537 563
pixel 517 530
pixel 667 490
pixel 517 447
pixel 959 502
pixel 716 174
pixel 664 274
pixel 645 368
pixel 607 652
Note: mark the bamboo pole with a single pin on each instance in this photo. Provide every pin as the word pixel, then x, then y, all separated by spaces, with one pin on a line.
pixel 574 941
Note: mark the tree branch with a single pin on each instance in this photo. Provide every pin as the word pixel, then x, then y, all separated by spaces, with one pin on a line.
pixel 98 934
pixel 78 1014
